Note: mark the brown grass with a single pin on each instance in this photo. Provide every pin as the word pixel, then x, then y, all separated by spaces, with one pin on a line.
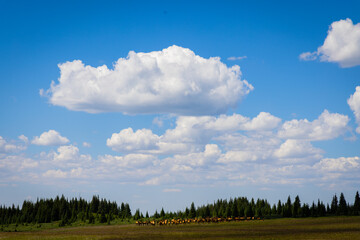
pixel 305 228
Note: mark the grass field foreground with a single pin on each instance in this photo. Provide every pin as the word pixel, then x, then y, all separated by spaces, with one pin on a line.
pixel 291 228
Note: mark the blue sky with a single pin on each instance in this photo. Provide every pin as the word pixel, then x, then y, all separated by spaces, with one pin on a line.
pixel 176 121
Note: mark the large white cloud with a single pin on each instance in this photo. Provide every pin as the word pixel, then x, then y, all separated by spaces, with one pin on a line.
pixel 326 126
pixel 354 103
pixel 173 80
pixel 50 138
pixel 342 45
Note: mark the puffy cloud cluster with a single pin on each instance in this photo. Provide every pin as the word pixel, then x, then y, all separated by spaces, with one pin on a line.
pixel 327 126
pixel 298 149
pixel 354 103
pixel 50 138
pixel 190 134
pixel 67 156
pixel 173 80
pixel 10 147
pixel 127 140
pixel 342 45
pixel 17 162
pixel 342 164
pixel 227 148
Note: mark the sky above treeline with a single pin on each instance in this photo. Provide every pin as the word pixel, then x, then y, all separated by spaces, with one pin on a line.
pixel 163 103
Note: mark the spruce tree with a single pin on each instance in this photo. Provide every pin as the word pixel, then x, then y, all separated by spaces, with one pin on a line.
pixel 279 208
pixel 137 214
pixel 357 204
pixel 162 213
pixel 102 217
pixel 207 211
pixel 248 211
pixel 296 207
pixel 342 205
pixel 192 212
pixel 334 205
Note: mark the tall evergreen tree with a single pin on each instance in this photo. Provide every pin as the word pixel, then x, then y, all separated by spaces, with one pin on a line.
pixel 279 208
pixel 137 214
pixel 162 213
pixel 207 211
pixel 342 205
pixel 357 204
pixel 192 212
pixel 334 205
pixel 296 207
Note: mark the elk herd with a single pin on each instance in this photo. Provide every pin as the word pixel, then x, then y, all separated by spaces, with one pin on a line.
pixel 194 220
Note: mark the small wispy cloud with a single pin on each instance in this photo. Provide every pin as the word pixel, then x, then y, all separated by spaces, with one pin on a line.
pixel 172 190
pixel 308 56
pixel 236 58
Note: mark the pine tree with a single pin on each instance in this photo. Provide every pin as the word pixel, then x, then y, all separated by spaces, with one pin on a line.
pixel 334 205
pixel 192 212
pixel 248 211
pixel 234 209
pixel 207 211
pixel 357 204
pixel 279 208
pixel 137 214
pixel 127 211
pixel 162 213
pixel 95 202
pixel 342 205
pixel 102 216
pixel 296 207
pixel 287 208
pixel 273 210
pixel 156 214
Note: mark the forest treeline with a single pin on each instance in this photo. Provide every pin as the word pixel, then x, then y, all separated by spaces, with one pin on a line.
pixel 67 211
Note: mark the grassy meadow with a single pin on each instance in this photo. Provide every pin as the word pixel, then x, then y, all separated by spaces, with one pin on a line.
pixel 288 228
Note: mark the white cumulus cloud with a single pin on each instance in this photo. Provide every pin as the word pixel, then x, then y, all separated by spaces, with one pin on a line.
pixel 326 126
pixel 50 138
pixel 173 80
pixel 128 140
pixel 341 164
pixel 354 103
pixel 292 148
pixel 342 45
pixel 190 134
pixel 67 156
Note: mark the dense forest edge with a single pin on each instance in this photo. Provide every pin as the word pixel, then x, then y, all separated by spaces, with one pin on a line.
pixel 70 212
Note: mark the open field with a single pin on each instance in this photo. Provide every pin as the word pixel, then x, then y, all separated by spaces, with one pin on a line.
pixel 304 228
